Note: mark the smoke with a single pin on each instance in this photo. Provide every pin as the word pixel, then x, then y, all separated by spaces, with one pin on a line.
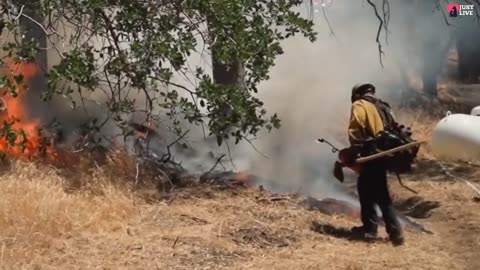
pixel 310 90
pixel 311 83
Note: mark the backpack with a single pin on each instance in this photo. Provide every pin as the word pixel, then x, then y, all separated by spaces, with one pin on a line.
pixel 393 135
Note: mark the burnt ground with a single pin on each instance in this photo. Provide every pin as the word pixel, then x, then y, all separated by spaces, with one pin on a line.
pixel 217 227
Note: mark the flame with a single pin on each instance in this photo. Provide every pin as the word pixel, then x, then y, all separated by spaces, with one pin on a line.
pixel 242 178
pixel 14 112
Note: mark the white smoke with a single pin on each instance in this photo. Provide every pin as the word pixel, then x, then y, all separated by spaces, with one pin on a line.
pixel 310 89
pixel 311 83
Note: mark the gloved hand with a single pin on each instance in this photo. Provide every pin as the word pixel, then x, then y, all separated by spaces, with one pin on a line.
pixel 348 156
pixel 405 131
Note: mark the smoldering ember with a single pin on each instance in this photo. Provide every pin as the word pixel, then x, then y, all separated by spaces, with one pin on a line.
pixel 239 135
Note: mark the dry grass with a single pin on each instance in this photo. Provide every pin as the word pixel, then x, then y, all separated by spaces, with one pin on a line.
pixel 36 210
pixel 422 124
pixel 208 227
pixel 87 217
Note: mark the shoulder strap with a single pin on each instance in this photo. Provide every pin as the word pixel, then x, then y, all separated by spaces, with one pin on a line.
pixel 383 108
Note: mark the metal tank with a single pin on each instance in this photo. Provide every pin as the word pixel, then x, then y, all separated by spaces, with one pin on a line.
pixel 476 111
pixel 457 137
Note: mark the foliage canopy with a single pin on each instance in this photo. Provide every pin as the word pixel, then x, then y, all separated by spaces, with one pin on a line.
pixel 132 50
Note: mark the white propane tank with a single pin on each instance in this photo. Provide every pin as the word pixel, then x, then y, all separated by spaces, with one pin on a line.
pixel 457 137
pixel 476 111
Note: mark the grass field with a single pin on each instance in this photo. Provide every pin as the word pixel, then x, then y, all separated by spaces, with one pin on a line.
pixel 89 218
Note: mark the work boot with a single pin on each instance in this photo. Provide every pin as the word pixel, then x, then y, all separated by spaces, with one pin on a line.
pixel 397 239
pixel 362 233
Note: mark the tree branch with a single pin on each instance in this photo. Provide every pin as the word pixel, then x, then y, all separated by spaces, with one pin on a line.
pixel 256 150
pixel 214 166
pixel 167 157
pixel 439 7
pixel 326 19
pixel 380 51
pixel 47 34
pixel 476 10
pixel 386 18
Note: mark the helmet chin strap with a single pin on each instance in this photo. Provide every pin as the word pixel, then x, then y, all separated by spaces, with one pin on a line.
pixel 357 97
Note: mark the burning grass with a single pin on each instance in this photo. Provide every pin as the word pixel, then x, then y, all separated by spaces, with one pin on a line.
pixel 21 136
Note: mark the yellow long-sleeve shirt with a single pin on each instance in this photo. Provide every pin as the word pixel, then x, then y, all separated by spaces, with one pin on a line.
pixel 365 121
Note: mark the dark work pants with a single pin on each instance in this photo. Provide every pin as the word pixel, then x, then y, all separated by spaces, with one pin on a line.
pixel 373 190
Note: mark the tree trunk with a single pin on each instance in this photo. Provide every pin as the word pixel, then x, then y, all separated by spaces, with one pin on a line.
pixel 468 55
pixel 36 34
pixel 435 55
pixel 426 44
pixel 227 74
pixel 430 84
pixel 230 75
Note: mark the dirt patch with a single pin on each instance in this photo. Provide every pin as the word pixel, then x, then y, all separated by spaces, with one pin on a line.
pixel 331 206
pixel 261 236
pixel 416 207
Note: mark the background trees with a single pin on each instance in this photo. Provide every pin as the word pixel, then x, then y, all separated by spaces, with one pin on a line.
pixel 132 51
pixel 135 54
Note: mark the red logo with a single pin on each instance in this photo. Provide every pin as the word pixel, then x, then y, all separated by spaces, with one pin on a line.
pixel 453 9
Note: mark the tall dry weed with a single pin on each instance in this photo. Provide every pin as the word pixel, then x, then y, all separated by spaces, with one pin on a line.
pixel 35 208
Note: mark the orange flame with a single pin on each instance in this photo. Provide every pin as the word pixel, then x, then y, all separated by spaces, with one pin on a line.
pixel 242 178
pixel 15 113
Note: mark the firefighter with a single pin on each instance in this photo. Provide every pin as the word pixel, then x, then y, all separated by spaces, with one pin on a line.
pixel 365 124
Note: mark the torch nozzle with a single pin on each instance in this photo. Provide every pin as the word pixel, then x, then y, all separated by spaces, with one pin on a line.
pixel 334 149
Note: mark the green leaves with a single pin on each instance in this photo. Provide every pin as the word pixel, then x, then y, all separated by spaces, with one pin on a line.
pixel 77 66
pixel 119 47
pixel 246 33
pixel 12 135
pixel 11 84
